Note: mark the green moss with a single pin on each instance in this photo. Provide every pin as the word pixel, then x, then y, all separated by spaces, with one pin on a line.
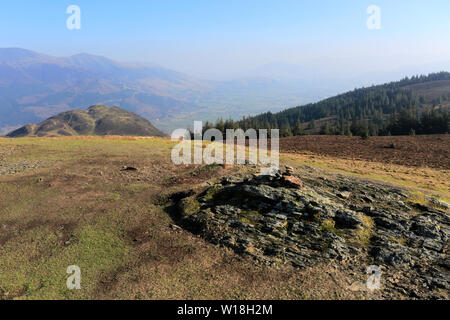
pixel 442 198
pixel 417 197
pixel 364 232
pixel 189 206
pixel 245 220
pixel 96 250
pixel 211 168
pixel 328 225
pixel 211 193
pixel 401 241
pixel 136 188
pixel 251 213
pixel 250 217
pixel 361 236
pixel 112 197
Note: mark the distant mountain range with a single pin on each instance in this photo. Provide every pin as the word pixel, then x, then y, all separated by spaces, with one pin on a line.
pixel 34 86
pixel 97 120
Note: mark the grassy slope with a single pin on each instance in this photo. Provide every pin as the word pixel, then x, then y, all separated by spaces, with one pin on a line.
pixel 79 208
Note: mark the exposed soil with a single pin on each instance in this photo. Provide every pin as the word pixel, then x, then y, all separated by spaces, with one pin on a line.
pixel 418 151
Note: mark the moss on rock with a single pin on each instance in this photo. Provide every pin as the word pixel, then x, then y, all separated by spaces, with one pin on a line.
pixel 189 206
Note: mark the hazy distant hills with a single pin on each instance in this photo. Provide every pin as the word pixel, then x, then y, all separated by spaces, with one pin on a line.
pixel 97 120
pixel 35 86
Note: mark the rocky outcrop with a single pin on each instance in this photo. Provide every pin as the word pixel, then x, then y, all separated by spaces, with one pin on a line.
pixel 276 222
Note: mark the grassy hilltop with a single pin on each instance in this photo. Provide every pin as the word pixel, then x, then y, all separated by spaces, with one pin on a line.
pixel 68 201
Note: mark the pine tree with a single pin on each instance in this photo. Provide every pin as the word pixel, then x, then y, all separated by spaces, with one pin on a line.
pixel 286 130
pixel 298 130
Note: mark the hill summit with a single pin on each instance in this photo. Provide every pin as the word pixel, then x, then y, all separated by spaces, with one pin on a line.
pixel 98 120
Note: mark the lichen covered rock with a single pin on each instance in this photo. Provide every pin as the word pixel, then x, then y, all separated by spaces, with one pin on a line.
pixel 262 217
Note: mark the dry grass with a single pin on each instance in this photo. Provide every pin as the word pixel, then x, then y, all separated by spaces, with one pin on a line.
pixel 420 178
pixel 81 209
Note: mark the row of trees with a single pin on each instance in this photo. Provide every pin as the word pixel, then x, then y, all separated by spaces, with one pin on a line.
pixel 407 122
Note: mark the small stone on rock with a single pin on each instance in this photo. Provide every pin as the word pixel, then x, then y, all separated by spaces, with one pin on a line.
pixel 292 182
pixel 345 194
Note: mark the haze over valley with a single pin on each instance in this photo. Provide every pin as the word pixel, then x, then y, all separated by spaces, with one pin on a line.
pixel 320 170
pixel 35 86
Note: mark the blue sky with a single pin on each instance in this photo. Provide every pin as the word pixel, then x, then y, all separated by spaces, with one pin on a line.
pixel 219 37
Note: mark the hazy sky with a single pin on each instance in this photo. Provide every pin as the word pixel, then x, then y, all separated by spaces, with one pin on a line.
pixel 221 37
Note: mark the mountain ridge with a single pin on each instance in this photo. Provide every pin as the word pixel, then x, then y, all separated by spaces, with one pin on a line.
pixel 35 86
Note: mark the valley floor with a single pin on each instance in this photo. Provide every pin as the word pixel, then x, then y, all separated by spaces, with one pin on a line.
pixel 69 201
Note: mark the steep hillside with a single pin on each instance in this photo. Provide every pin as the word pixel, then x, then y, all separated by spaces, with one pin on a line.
pixel 413 105
pixel 97 120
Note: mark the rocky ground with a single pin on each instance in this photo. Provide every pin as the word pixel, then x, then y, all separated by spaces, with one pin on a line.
pixel 18 167
pixel 8 167
pixel 355 223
